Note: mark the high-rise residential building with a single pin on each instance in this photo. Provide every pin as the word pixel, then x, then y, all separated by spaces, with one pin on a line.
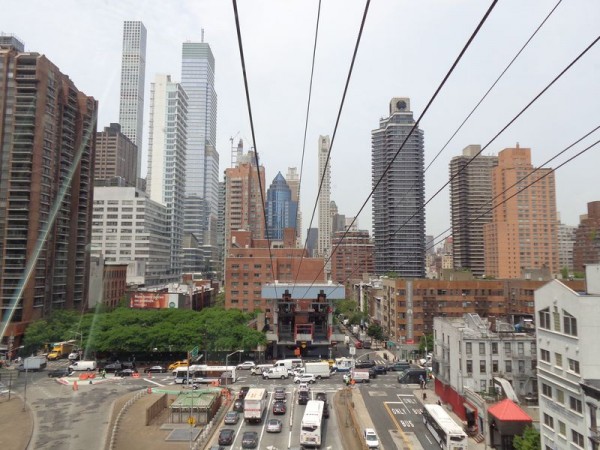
pixel 133 78
pixel 293 180
pixel 166 157
pixel 586 249
pixel 312 238
pixel 48 135
pixel 568 370
pixel 523 232
pixel 130 228
pixel 116 156
pixel 324 201
pixel 470 206
pixel 352 256
pixel 243 199
pixel 398 201
pixel 566 243
pixel 281 209
pixel 202 170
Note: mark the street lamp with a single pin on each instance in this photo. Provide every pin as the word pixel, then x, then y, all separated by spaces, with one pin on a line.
pixel 227 359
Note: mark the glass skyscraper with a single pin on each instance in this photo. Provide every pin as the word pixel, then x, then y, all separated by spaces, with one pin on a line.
pixel 281 209
pixel 398 213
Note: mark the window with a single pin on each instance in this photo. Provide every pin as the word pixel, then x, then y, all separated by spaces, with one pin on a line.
pixel 494 348
pixel 482 366
pixel 483 385
pixel 575 404
pixel 560 396
pixel 507 349
pixel 546 390
pixel 544 316
pixel 545 355
pixel 573 365
pixel 562 428
pixel 558 359
pixel 556 318
pixel 482 348
pixel 521 348
pixel 521 366
pixel 570 324
pixel 468 348
pixel 469 366
pixel 549 421
pixel 577 438
pixel 495 366
pixel 508 366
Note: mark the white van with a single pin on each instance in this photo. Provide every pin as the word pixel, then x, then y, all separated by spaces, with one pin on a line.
pixel 288 363
pixel 276 372
pixel 84 365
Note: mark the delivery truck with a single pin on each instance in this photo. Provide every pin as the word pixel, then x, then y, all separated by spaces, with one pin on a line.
pixel 61 350
pixel 255 405
pixel 35 363
pixel 318 369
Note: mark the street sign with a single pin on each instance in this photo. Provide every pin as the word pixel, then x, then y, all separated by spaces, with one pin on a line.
pixel 352 350
pixel 194 352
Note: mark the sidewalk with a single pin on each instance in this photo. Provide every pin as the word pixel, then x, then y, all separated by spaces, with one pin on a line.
pixel 16 424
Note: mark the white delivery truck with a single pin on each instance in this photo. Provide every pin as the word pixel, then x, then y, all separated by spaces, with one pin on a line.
pixel 255 405
pixel 288 363
pixel 35 363
pixel 258 370
pixel 276 372
pixel 84 365
pixel 318 369
pixel 360 375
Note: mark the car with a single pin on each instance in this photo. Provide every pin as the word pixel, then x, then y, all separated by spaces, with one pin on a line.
pixel 274 426
pixel 280 394
pixel 243 391
pixel 366 344
pixel 380 370
pixel 322 396
pixel 238 405
pixel 250 439
pixel 155 369
pixel 113 367
pixel 306 378
pixel 126 373
pixel 246 365
pixel 399 366
pixel 177 364
pixel 358 344
pixel 74 356
pixel 279 408
pixel 366 364
pixel 303 387
pixel 231 418
pixel 371 438
pixel 59 373
pixel 226 436
pixel 216 447
pixel 372 373
pixel 303 397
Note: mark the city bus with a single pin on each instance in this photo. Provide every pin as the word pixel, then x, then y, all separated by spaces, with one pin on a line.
pixel 448 434
pixel 202 373
pixel 312 424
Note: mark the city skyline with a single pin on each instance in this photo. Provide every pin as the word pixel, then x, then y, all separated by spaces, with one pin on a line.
pixel 415 72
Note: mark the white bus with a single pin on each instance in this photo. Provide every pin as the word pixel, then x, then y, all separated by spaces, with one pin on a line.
pixel 448 434
pixel 202 373
pixel 312 425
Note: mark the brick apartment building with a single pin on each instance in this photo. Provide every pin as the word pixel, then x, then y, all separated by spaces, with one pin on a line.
pixel 586 249
pixel 352 255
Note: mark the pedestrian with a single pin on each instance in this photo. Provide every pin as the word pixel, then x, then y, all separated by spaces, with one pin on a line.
pixel 103 373
pixel 422 381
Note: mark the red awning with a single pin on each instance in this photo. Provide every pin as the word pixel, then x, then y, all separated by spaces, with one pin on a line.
pixel 509 411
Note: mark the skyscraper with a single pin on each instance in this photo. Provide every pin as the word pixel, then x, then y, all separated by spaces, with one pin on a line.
pixel 587 238
pixel 523 232
pixel 133 77
pixel 398 213
pixel 293 180
pixel 116 156
pixel 166 157
pixel 324 244
pixel 281 209
pixel 470 204
pixel 202 170
pixel 47 157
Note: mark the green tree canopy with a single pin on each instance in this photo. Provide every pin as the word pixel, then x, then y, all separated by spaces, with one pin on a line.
pixel 345 307
pixel 530 440
pixel 375 331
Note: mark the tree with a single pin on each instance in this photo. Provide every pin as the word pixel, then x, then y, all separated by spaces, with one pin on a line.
pixel 426 343
pixel 375 331
pixel 529 441
pixel 58 326
pixel 346 307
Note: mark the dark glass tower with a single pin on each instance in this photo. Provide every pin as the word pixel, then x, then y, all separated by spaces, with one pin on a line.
pixel 281 209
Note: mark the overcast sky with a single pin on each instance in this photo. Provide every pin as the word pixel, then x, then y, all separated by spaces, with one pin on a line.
pixel 407 48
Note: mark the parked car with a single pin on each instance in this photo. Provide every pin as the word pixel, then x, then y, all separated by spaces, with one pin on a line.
pixel 371 438
pixel 280 394
pixel 246 365
pixel 366 344
pixel 231 418
pixel 366 364
pixel 238 405
pixel 303 397
pixel 250 439
pixel 155 369
pixel 57 373
pixel 380 370
pixel 126 373
pixel 279 408
pixel 226 436
pixel 274 426
pixel 113 367
pixel 243 391
pixel 306 378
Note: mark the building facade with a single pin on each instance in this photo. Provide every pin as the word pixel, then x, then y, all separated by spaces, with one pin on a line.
pixel 568 324
pixel 48 131
pixel 281 209
pixel 523 232
pixel 566 245
pixel 116 156
pixel 586 249
pixel 470 207
pixel 108 283
pixel 352 256
pixel 293 180
pixel 130 228
pixel 166 158
pixel 133 81
pixel 324 201
pixel 399 198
